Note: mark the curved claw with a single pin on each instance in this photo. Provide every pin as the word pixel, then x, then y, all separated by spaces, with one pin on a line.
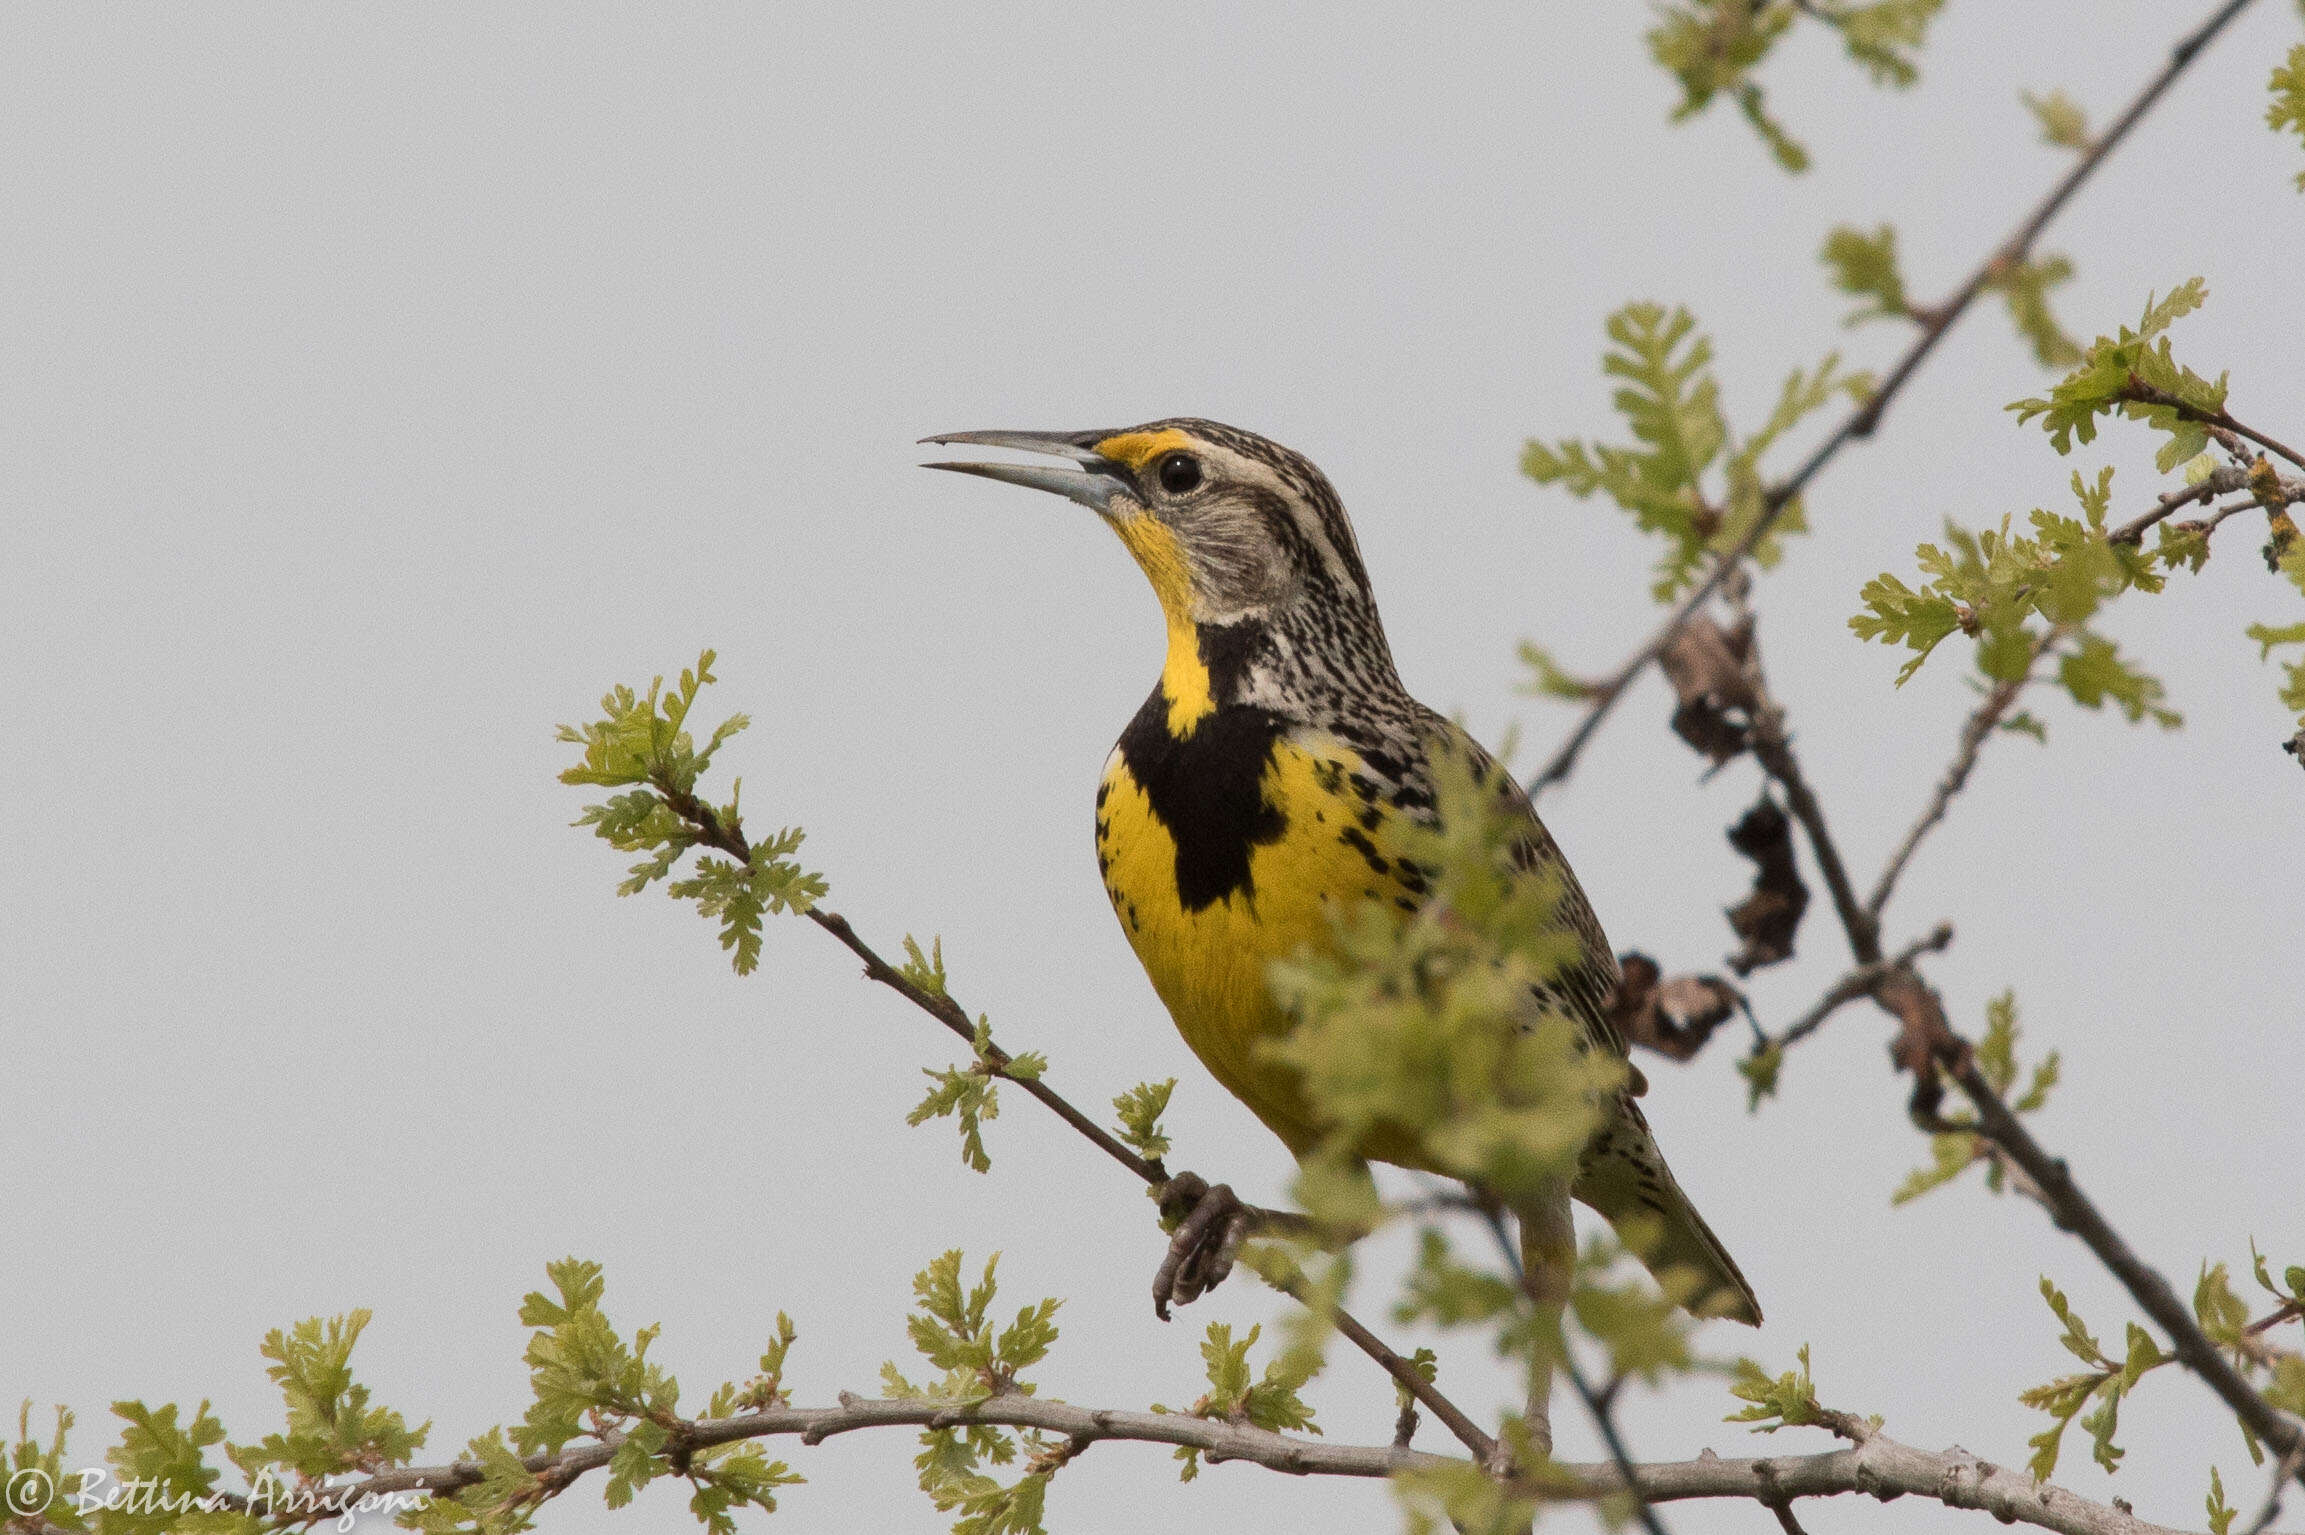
pixel 1208 1237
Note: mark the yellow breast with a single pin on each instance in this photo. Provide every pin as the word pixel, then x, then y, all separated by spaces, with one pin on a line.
pixel 1221 865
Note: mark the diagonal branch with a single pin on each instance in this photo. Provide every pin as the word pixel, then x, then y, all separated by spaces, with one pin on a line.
pixel 1862 421
pixel 1974 734
pixel 726 835
pixel 2076 1212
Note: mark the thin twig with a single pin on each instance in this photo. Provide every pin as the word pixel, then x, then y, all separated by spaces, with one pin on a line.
pixel 1974 733
pixel 1861 982
pixel 2271 1509
pixel 2221 480
pixel 1864 419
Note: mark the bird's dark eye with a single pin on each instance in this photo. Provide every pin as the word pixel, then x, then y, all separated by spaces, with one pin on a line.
pixel 1180 473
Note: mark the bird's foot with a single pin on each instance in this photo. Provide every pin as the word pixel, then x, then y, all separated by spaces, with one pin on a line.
pixel 1208 1226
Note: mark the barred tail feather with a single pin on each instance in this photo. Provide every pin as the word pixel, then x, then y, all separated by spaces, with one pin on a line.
pixel 1625 1178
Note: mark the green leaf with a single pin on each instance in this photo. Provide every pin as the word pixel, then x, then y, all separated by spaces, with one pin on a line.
pixel 968 1094
pixel 331 1428
pixel 1671 403
pixel 1419 1027
pixel 2063 124
pixel 172 1457
pixel 1711 47
pixel 1760 1070
pixel 1427 1366
pixel 642 740
pixel 1448 1293
pixel 1238 1395
pixel 1885 37
pixel 1140 1110
pixel 1895 614
pixel 1951 1156
pixel 2287 109
pixel 2221 1513
pixel 2095 672
pixel 28 1466
pixel 1784 1401
pixel 1547 680
pixel 2024 286
pixel 580 1367
pixel 2112 371
pixel 950 1329
pixel 925 971
pixel 1865 266
pixel 2269 635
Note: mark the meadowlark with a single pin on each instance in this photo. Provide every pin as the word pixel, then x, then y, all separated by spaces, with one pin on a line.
pixel 1260 789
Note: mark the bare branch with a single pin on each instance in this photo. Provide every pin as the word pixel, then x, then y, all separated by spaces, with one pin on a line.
pixel 1862 421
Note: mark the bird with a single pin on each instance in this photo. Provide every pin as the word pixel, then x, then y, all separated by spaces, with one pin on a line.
pixel 1262 786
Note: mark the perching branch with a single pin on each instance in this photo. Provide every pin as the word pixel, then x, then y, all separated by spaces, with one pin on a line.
pixel 1878 1466
pixel 725 835
pixel 1862 421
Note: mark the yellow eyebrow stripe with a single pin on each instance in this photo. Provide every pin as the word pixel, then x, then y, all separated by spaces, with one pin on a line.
pixel 1137 449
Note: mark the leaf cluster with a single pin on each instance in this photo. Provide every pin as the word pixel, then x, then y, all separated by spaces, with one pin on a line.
pixel 163 1482
pixel 2287 109
pixel 589 1381
pixel 1993 584
pixel 1140 1110
pixel 1713 47
pixel 2135 374
pixel 951 1326
pixel 331 1426
pixel 2107 1381
pixel 1237 1394
pixel 641 743
pixel 1671 403
pixel 1781 1401
pixel 969 1094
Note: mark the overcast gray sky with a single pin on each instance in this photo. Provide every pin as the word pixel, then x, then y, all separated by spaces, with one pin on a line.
pixel 381 383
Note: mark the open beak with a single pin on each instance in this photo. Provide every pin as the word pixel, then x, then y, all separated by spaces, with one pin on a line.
pixel 1088 479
